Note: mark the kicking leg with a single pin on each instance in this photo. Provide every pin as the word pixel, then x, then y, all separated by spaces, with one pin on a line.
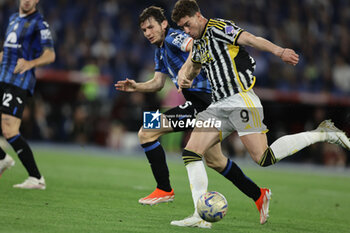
pixel 325 132
pixel 256 144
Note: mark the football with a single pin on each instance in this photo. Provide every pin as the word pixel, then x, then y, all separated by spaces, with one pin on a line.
pixel 212 206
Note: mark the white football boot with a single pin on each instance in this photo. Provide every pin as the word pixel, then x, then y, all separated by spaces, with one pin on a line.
pixel 6 163
pixel 192 221
pixel 32 183
pixel 333 134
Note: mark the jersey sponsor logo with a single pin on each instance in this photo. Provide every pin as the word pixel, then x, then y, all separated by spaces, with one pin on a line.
pixel 45 34
pixel 204 55
pixel 11 41
pixel 151 120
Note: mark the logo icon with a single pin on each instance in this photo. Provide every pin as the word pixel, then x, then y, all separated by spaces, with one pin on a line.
pixel 19 100
pixel 151 120
pixel 45 34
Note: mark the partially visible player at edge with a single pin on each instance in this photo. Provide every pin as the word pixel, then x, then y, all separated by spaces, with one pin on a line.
pixel 172 50
pixel 28 44
pixel 219 49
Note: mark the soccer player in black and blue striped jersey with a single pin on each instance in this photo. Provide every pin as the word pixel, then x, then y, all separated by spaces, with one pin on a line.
pixel 28 44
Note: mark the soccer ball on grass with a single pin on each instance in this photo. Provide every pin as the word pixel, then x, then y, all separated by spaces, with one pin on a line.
pixel 212 206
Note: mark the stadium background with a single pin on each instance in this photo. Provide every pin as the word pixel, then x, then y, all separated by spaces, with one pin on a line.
pixel 99 42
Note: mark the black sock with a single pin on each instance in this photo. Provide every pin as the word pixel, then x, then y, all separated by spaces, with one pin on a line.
pixel 2 154
pixel 233 173
pixel 156 157
pixel 25 154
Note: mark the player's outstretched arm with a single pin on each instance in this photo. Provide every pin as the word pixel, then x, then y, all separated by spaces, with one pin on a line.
pixel 287 55
pixel 127 85
pixel 153 85
pixel 1 53
pixel 46 58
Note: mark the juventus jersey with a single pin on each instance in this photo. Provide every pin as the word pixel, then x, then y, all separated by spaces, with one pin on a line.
pixel 26 37
pixel 228 66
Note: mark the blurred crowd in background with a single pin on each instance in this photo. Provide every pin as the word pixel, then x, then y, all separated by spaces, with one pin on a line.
pixel 101 41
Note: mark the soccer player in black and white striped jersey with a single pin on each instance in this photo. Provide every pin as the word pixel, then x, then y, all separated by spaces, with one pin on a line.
pixel 171 53
pixel 219 49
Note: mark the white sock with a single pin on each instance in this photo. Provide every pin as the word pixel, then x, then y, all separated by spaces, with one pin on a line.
pixel 290 144
pixel 197 175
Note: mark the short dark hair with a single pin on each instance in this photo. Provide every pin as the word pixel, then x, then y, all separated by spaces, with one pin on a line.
pixel 153 11
pixel 184 8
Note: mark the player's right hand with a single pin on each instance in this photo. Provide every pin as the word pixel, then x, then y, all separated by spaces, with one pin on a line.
pixel 183 82
pixel 289 56
pixel 128 85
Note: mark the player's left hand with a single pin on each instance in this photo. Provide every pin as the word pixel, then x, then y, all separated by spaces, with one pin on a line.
pixel 289 56
pixel 22 66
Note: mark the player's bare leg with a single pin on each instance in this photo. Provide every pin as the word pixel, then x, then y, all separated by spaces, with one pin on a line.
pixel 215 159
pixel 10 129
pixel 256 145
pixel 10 125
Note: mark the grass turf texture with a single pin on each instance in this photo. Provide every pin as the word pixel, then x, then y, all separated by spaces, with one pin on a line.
pixel 88 193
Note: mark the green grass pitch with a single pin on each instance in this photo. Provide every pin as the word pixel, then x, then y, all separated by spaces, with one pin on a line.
pixel 87 193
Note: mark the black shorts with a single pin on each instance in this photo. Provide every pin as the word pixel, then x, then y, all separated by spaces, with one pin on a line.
pixel 13 100
pixel 180 115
